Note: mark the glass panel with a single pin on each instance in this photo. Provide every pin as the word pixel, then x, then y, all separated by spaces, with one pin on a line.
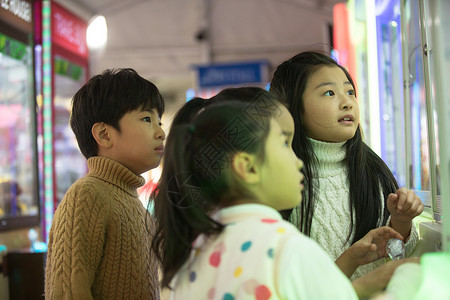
pixel 70 164
pixel 442 64
pixel 420 171
pixel 17 135
pixel 390 80
pixel 437 28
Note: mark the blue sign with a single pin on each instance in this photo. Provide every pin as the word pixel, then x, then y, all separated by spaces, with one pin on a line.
pixel 217 75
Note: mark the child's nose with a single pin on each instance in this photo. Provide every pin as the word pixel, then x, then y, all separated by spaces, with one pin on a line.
pixel 346 104
pixel 299 164
pixel 160 134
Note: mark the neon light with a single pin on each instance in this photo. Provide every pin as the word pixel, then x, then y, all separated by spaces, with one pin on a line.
pixel 47 115
pixel 416 136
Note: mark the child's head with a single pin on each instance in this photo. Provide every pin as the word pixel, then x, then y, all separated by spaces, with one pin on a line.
pixel 246 94
pixel 251 95
pixel 189 110
pixel 225 148
pixel 261 98
pixel 320 95
pixel 232 152
pixel 110 101
pixel 256 102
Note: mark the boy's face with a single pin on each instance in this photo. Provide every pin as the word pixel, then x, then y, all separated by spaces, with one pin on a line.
pixel 139 144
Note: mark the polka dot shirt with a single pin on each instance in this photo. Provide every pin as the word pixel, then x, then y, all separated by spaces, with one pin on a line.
pixel 257 256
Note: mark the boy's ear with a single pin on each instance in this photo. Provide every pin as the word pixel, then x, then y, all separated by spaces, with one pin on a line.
pixel 246 167
pixel 101 134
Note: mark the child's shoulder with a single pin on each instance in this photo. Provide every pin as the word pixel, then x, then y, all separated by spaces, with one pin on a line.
pixel 90 187
pixel 264 228
pixel 86 195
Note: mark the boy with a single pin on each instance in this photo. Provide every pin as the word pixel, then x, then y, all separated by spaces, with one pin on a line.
pixel 99 242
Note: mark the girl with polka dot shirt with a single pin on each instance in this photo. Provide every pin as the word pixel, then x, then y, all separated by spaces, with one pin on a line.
pixel 225 176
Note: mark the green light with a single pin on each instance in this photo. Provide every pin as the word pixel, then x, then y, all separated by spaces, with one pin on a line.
pixel 435 276
pixel 47 114
pixel 428 280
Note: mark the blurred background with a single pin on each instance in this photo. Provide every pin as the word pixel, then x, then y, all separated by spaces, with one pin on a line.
pixel 398 52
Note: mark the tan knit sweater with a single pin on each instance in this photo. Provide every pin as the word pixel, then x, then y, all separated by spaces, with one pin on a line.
pixel 99 247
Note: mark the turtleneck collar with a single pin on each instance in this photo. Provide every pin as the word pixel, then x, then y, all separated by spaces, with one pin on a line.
pixel 330 157
pixel 115 173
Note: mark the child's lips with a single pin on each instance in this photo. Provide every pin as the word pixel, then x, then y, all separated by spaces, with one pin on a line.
pixel 347 119
pixel 160 149
pixel 301 181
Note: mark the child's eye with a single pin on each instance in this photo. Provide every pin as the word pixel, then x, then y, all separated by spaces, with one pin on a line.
pixel 351 92
pixel 147 119
pixel 286 143
pixel 329 93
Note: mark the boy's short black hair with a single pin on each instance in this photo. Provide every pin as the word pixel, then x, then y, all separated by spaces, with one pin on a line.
pixel 107 97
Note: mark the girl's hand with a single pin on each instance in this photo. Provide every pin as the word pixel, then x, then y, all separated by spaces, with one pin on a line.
pixel 368 249
pixel 404 206
pixel 373 245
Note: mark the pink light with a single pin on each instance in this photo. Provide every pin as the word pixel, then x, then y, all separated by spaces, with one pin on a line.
pixel 10 114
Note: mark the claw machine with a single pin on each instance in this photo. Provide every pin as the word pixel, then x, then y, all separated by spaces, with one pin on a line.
pixel 19 200
pixel 19 184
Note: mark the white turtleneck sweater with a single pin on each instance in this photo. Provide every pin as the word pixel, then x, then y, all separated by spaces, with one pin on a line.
pixel 331 221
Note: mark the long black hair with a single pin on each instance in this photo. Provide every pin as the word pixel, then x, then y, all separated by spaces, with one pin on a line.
pixel 367 172
pixel 196 178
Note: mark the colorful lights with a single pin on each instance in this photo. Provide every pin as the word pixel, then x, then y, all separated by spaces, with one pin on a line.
pixel 47 115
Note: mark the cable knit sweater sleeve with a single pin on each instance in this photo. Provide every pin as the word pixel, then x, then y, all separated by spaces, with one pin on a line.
pixel 76 243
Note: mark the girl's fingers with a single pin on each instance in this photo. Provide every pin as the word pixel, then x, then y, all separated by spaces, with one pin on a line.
pixel 402 198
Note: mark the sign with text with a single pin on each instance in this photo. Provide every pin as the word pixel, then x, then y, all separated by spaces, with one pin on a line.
pixel 18 13
pixel 68 31
pixel 217 75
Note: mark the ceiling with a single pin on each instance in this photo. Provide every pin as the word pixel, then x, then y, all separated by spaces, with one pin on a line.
pixel 163 39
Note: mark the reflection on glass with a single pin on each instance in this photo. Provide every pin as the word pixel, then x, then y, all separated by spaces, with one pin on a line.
pixel 70 164
pixel 390 84
pixel 436 26
pixel 420 171
pixel 17 163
